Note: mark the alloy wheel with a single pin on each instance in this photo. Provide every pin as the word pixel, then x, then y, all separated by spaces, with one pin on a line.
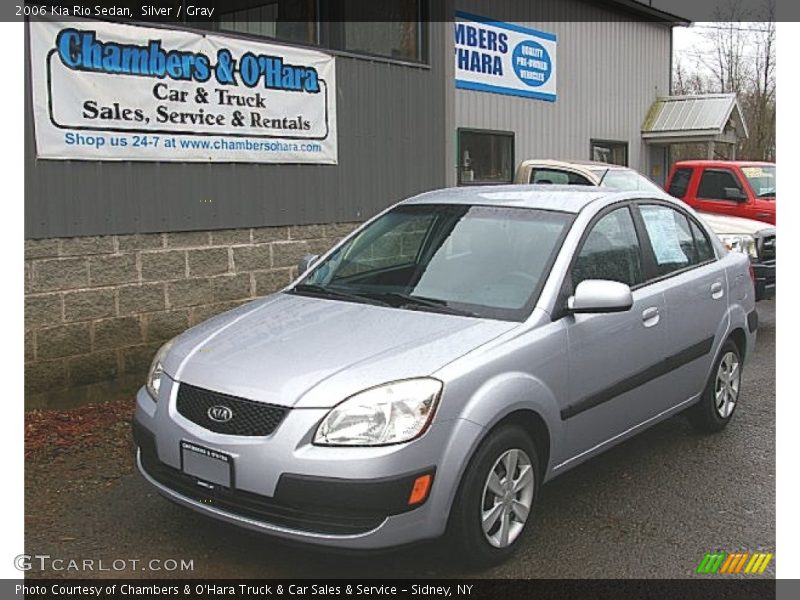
pixel 507 498
pixel 726 389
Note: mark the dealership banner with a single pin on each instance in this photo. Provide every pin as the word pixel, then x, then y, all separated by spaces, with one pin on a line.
pixel 504 58
pixel 109 91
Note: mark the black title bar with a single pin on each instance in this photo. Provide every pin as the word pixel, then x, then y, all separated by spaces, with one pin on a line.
pixel 679 12
pixel 701 588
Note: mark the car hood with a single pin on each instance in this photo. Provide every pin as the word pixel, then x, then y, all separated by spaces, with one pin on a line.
pixel 725 224
pixel 281 349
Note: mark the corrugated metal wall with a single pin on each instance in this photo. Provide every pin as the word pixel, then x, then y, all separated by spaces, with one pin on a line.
pixel 392 139
pixel 609 73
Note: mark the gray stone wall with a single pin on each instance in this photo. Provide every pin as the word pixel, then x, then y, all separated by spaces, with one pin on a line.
pixel 97 308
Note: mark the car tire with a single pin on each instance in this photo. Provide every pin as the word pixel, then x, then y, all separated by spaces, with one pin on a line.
pixel 476 499
pixel 721 395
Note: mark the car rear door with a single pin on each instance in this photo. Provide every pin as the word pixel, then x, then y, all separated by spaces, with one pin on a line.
pixel 695 292
pixel 611 355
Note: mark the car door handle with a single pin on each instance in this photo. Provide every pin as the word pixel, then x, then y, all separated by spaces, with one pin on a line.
pixel 650 316
pixel 717 291
pixel 762 215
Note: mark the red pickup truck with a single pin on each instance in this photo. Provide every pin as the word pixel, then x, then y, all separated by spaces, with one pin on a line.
pixel 736 188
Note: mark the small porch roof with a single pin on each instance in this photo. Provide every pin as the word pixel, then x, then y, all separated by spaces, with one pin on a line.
pixel 699 118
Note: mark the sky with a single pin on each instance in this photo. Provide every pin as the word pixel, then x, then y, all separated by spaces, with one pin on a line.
pixel 689 42
pixel 685 38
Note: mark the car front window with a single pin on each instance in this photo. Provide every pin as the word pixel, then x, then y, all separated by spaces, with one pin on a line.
pixel 473 260
pixel 761 179
pixel 610 251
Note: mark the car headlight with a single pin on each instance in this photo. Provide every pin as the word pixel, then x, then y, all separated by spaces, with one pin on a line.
pixel 740 242
pixel 157 370
pixel 388 414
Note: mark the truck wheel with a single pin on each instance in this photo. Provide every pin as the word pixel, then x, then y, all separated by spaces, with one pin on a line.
pixel 492 510
pixel 721 396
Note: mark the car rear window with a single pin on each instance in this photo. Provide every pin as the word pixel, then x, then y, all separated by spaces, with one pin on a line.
pixel 628 180
pixel 680 183
pixel 544 176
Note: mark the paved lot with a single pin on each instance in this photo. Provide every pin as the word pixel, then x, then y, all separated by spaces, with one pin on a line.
pixel 648 508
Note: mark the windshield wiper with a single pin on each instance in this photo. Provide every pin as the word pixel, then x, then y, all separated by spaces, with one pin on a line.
pixel 409 301
pixel 767 194
pixel 319 290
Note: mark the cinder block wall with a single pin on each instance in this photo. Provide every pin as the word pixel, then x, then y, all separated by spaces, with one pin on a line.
pixel 97 308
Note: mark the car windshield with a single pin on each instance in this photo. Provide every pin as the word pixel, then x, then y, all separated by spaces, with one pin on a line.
pixel 628 180
pixel 761 179
pixel 469 260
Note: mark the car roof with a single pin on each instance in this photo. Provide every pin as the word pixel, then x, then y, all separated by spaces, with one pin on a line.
pixel 588 164
pixel 594 163
pixel 723 163
pixel 564 198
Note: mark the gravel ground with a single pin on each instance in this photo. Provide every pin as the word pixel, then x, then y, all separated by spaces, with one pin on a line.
pixel 651 507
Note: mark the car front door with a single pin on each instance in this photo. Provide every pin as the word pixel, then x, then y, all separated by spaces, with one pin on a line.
pixel 695 295
pixel 611 355
pixel 720 191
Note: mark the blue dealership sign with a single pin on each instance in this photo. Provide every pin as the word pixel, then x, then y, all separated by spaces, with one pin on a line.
pixel 504 58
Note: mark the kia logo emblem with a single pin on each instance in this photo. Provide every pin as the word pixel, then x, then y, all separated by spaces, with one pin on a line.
pixel 220 414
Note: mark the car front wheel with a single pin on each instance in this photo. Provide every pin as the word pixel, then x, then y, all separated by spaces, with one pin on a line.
pixel 492 511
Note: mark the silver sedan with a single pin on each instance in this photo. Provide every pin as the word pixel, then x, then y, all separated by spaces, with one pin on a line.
pixel 429 373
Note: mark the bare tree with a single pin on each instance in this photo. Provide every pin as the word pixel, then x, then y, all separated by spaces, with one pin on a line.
pixel 686 80
pixel 737 56
pixel 759 99
pixel 729 40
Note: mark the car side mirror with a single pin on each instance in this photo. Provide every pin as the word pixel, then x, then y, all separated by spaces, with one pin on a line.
pixel 600 296
pixel 306 262
pixel 732 193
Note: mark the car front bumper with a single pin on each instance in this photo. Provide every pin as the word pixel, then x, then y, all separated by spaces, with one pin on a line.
pixel 765 280
pixel 355 498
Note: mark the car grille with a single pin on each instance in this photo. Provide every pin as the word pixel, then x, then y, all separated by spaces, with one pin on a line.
pixel 247 417
pixel 766 247
pixel 255 506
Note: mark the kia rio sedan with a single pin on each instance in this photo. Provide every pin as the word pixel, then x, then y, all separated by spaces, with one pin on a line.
pixel 427 375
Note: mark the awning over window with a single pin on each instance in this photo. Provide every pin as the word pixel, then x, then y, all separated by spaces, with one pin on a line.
pixel 689 119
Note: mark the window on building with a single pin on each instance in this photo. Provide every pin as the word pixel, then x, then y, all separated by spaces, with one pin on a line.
pixel 390 28
pixel 289 20
pixel 615 153
pixel 485 157
pixel 680 183
pixel 719 184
